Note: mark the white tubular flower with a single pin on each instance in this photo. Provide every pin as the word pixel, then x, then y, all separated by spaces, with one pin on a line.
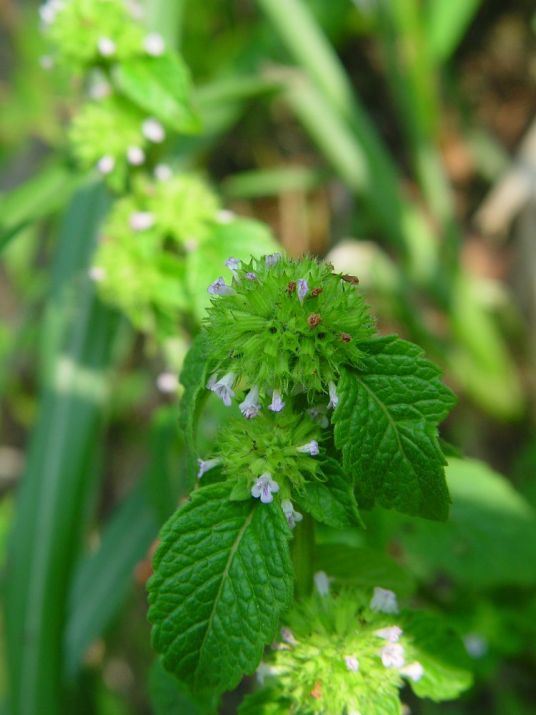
pixel 352 663
pixel 333 397
pixel 277 403
pixel 292 516
pixel 224 388
pixel 153 131
pixel 106 164
pixel 154 44
pixel 288 636
pixel 167 382
pixel 302 289
pixel 321 580
pixel 135 155
pixel 106 47
pixel 163 172
pixel 141 220
pixel 264 487
pixel 97 274
pixel 309 448
pixel 220 288
pixel 206 464
pixel 384 601
pixel 251 406
pixel 392 655
pixel 414 671
pixel 225 216
pixel 391 634
pixel 272 259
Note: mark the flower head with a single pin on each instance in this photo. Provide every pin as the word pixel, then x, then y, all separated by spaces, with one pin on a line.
pixel 321 580
pixel 302 289
pixel 309 448
pixel 277 403
pixel 106 47
pixel 153 131
pixel 392 655
pixel 264 487
pixel 292 516
pixel 384 601
pixel 154 44
pixel 135 155
pixel 251 406
pixel 141 220
pixel 224 388
pixel 352 663
pixel 414 671
pixel 106 164
pixel 206 464
pixel 391 634
pixel 333 397
pixel 220 288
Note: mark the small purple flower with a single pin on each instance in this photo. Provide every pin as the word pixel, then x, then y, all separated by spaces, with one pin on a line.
pixel 333 397
pixel 414 671
pixel 384 601
pixel 277 403
pixel 264 487
pixel 392 655
pixel 272 259
pixel 302 289
pixel 232 263
pixel 135 155
pixel 351 663
pixel 206 464
pixel 391 634
pixel 106 164
pixel 106 47
pixel 224 388
pixel 251 276
pixel 219 287
pixel 212 380
pixel 251 406
pixel 309 448
pixel 288 636
pixel 321 580
pixel 292 516
pixel 141 220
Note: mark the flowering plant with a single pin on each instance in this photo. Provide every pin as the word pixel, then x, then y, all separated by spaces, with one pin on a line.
pixel 324 416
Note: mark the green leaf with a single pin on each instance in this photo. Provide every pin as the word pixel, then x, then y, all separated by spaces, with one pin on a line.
pixel 489 540
pixel 331 502
pixel 266 701
pixel 222 578
pixel 441 653
pixel 171 697
pixel 194 378
pixel 363 567
pixel 385 426
pixel 161 86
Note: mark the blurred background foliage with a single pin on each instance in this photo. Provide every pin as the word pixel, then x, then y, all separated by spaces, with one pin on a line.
pixel 395 138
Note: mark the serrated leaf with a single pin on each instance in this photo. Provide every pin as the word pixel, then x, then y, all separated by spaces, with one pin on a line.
pixel 386 427
pixel 331 502
pixel 161 86
pixel 490 538
pixel 363 567
pixel 441 653
pixel 194 378
pixel 222 576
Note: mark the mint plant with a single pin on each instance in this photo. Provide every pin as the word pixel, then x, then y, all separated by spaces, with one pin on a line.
pixel 325 418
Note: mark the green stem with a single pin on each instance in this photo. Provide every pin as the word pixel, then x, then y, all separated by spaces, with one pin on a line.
pixel 302 556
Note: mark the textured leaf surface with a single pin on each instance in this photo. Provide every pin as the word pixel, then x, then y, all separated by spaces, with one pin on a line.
pixel 161 86
pixel 222 577
pixel 386 428
pixel 490 538
pixel 331 502
pixel 441 653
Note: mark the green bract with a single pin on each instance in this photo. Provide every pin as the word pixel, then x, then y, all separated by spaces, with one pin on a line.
pixel 89 32
pixel 287 325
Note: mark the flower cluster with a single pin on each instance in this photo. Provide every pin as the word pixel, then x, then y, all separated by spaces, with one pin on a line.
pixel 88 33
pixel 284 327
pixel 341 657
